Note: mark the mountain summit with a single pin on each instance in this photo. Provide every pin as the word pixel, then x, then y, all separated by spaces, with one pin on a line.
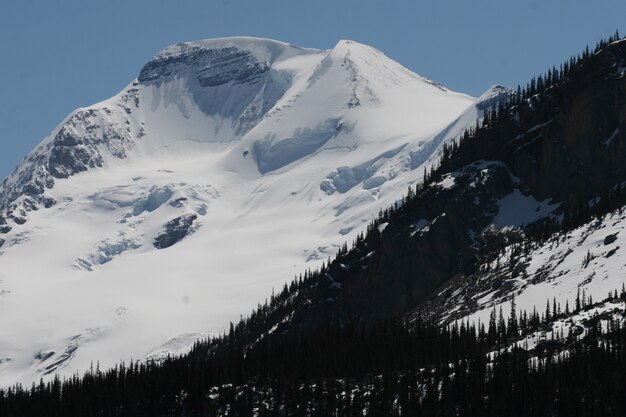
pixel 225 168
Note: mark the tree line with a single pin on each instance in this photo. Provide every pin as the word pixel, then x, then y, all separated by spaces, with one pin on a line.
pixel 400 367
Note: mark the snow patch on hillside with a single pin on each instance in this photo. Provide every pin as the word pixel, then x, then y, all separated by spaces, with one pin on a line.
pixel 587 261
pixel 517 209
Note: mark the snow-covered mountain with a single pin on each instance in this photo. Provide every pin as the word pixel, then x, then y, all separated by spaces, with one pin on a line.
pixel 151 219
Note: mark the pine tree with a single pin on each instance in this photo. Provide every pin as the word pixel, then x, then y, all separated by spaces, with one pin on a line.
pixel 513 324
pixel 410 193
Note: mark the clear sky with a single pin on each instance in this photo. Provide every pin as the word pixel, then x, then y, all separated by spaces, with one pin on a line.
pixel 62 54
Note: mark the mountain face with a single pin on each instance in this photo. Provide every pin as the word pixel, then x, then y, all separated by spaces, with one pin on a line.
pixel 226 167
pixel 526 210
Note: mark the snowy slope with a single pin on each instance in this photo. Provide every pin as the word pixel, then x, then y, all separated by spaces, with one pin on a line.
pixel 587 262
pixel 224 169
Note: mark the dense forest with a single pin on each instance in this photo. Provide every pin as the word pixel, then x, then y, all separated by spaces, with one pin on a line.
pixel 338 363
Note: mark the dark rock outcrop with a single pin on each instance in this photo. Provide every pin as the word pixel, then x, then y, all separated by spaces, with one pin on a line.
pixel 610 239
pixel 174 231
pixel 212 66
pixel 80 144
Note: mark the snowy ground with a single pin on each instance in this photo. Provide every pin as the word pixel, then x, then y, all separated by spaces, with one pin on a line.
pixel 587 261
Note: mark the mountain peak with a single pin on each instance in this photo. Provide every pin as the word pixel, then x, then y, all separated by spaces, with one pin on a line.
pixel 379 68
pixel 345 44
pixel 356 51
pixel 495 91
pixel 493 95
pixel 246 43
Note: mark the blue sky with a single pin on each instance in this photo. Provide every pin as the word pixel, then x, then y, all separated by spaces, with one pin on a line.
pixel 63 54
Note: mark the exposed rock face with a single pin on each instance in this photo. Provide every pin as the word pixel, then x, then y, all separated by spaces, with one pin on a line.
pixel 78 144
pixel 231 80
pixel 213 67
pixel 610 239
pixel 81 143
pixel 174 231
pixel 570 145
pixel 214 71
